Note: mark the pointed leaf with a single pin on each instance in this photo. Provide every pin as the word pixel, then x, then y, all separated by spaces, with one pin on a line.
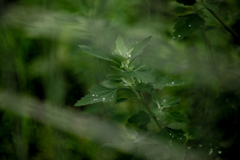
pixel 166 82
pixel 144 87
pixel 98 93
pixel 187 2
pixel 177 134
pixel 138 49
pixel 176 116
pixel 97 53
pixel 130 43
pixel 144 74
pixel 170 102
pixel 185 24
pixel 121 51
pixel 121 100
pixel 141 118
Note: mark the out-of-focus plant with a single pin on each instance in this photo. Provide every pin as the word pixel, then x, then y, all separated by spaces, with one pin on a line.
pixel 137 78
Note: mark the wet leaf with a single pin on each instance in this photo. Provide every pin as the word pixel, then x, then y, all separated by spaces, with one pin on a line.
pixel 98 93
pixel 121 51
pixel 166 82
pixel 185 24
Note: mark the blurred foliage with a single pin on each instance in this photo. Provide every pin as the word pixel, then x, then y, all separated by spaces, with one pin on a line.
pixel 40 58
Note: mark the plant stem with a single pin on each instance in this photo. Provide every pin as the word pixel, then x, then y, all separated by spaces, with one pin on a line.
pixel 158 123
pixel 222 22
pixel 234 34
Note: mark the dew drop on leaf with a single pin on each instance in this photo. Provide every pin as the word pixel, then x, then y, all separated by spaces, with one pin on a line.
pixel 200 145
pixel 190 25
pixel 219 152
pixel 211 151
pixel 172 82
pixel 188 147
pixel 173 37
pixel 96 95
pixel 103 99
pixel 93 95
pixel 179 35
pixel 129 56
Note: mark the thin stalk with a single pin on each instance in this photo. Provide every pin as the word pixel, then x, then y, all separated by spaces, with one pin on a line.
pixel 158 123
pixel 222 22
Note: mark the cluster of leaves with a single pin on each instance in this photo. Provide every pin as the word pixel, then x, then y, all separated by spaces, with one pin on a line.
pixel 137 78
pixel 184 24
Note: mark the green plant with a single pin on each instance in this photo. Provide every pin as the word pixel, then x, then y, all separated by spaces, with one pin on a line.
pixel 138 79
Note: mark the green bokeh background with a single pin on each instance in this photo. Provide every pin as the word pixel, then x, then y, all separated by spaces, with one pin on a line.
pixel 40 58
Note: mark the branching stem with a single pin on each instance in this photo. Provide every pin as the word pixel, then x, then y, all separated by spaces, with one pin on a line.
pixel 158 123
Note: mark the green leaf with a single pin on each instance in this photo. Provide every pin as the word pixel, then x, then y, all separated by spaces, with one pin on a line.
pixel 144 87
pixel 144 74
pixel 166 82
pixel 130 43
pixel 170 102
pixel 97 53
pixel 176 116
pixel 177 134
pixel 212 4
pixel 156 101
pixel 185 24
pixel 138 49
pixel 187 2
pixel 141 118
pixel 121 100
pixel 121 51
pixel 113 77
pixel 161 115
pixel 98 93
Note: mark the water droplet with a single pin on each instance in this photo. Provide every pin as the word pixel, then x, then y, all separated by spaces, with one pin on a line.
pixel 190 25
pixel 164 100
pixel 211 151
pixel 188 147
pixel 173 37
pixel 172 82
pixel 170 142
pixel 170 134
pixel 179 35
pixel 200 145
pixel 103 99
pixel 96 95
pixel 93 95
pixel 129 56
pixel 219 152
pixel 181 138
